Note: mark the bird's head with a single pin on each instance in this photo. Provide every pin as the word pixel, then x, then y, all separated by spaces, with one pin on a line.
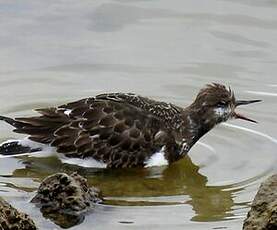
pixel 215 103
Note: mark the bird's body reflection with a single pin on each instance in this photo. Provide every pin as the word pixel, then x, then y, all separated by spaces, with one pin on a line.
pixel 136 186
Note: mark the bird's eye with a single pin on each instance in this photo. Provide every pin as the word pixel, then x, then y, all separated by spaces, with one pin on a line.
pixel 221 103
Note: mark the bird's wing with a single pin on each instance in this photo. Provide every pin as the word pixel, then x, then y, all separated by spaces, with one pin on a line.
pixel 109 130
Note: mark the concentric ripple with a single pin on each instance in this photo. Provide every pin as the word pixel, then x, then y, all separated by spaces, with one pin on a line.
pixel 54 52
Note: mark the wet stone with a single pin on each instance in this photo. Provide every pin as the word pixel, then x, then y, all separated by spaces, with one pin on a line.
pixel 11 219
pixel 263 213
pixel 65 199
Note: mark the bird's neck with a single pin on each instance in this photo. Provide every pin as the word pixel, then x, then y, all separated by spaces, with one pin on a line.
pixel 194 124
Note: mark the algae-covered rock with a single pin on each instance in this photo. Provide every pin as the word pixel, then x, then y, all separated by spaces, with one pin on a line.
pixel 65 199
pixel 11 219
pixel 263 213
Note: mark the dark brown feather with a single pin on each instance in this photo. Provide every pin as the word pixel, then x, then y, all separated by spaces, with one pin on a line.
pixel 116 129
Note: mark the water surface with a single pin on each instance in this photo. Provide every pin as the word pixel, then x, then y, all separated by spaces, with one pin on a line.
pixel 53 52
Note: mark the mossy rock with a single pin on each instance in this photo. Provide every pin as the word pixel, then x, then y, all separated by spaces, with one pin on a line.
pixel 65 199
pixel 11 219
pixel 263 213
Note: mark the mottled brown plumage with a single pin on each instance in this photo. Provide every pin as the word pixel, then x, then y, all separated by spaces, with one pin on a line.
pixel 125 130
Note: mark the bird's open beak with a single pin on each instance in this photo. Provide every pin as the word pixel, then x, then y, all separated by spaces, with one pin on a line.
pixel 244 102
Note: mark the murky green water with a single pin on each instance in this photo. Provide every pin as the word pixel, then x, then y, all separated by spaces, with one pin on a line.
pixel 57 51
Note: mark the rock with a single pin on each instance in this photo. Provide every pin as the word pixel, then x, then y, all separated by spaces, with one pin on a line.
pixel 65 199
pixel 11 219
pixel 263 213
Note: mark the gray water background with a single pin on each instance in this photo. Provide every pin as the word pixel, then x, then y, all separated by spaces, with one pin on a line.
pixel 52 52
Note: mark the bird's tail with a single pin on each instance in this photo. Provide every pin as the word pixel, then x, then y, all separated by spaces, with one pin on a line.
pixel 8 120
pixel 13 148
pixel 12 122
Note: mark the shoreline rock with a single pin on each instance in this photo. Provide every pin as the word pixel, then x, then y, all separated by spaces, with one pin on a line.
pixel 11 219
pixel 66 198
pixel 263 213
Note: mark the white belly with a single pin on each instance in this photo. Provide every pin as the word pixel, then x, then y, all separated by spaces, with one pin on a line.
pixel 157 159
pixel 86 163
